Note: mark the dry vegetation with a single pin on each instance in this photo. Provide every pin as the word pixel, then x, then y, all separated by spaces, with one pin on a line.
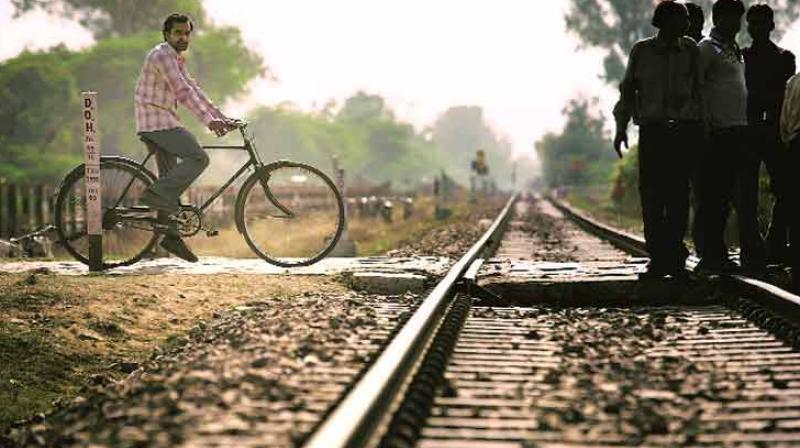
pixel 372 235
pixel 58 333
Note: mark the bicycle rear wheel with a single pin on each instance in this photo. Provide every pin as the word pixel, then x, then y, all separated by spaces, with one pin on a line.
pixel 127 231
pixel 290 214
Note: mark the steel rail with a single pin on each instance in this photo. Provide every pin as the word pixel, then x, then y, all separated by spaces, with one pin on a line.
pixel 780 300
pixel 354 422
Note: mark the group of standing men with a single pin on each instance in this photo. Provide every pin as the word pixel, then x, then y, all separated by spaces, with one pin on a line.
pixel 709 113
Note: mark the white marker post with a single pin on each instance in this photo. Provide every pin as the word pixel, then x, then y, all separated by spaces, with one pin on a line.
pixel 91 147
pixel 346 247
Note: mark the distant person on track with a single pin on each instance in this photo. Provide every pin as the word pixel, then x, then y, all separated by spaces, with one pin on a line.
pixel 163 83
pixel 661 92
pixel 790 135
pixel 479 174
pixel 767 68
pixel 729 169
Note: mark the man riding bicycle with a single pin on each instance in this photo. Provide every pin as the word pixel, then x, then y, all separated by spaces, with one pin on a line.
pixel 164 81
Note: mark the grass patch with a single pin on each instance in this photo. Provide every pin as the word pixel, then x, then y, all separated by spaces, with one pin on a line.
pixel 34 371
pixel 373 236
pixel 107 328
pixel 58 332
pixel 596 201
pixel 24 296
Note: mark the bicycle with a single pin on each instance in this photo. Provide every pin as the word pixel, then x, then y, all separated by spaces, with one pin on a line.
pixel 275 205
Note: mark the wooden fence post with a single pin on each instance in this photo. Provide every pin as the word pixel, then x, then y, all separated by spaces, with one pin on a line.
pixel 3 209
pixel 41 205
pixel 13 209
pixel 31 208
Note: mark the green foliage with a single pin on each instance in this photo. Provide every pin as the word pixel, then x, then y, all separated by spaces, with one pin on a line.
pixel 40 119
pixel 114 18
pixel 39 98
pixel 370 143
pixel 625 184
pixel 363 107
pixel 613 26
pixel 581 154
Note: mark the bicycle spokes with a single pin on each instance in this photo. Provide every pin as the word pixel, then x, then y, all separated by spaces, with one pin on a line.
pixel 291 214
pixel 127 228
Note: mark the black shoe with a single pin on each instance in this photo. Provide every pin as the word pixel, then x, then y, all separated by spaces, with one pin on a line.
pixel 730 267
pixel 708 267
pixel 681 275
pixel 177 247
pixel 158 202
pixel 716 267
pixel 653 272
pixel 754 271
pixel 777 257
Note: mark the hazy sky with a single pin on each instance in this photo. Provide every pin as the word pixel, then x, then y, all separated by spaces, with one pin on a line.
pixel 513 57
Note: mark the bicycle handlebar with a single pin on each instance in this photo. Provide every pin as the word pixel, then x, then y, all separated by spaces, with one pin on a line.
pixel 238 123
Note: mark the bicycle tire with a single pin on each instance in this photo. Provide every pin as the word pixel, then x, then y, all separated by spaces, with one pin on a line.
pixel 242 226
pixel 65 194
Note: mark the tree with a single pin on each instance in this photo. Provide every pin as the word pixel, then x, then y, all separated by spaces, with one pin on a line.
pixel 369 141
pixel 363 107
pixel 580 154
pixel 39 97
pixel 613 26
pixel 114 18
pixel 462 130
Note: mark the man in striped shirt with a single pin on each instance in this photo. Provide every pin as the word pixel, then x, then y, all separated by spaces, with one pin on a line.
pixel 163 83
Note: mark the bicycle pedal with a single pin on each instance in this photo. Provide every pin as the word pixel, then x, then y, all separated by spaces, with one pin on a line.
pixel 211 233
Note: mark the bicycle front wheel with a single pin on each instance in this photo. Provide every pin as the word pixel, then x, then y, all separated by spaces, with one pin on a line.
pixel 127 229
pixel 290 214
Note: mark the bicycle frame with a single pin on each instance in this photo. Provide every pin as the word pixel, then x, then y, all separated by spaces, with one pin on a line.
pixel 254 161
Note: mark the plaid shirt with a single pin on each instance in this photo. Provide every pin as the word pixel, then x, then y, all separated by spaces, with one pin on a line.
pixel 163 82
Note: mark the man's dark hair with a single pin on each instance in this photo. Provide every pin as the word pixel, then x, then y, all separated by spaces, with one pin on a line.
pixel 695 12
pixel 666 10
pixel 761 10
pixel 174 18
pixel 727 7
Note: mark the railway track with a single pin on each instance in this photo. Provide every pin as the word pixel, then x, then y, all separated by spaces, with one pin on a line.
pixel 712 363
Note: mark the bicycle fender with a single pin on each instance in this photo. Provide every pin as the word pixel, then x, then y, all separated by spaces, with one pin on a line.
pixel 246 186
pixel 240 198
pixel 120 159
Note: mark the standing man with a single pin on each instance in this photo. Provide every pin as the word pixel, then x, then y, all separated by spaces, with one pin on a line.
pixel 767 68
pixel 661 92
pixel 479 172
pixel 730 166
pixel 163 83
pixel 790 134
pixel 697 21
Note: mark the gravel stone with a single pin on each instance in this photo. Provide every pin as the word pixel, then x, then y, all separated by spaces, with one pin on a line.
pixel 261 374
pixel 454 239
